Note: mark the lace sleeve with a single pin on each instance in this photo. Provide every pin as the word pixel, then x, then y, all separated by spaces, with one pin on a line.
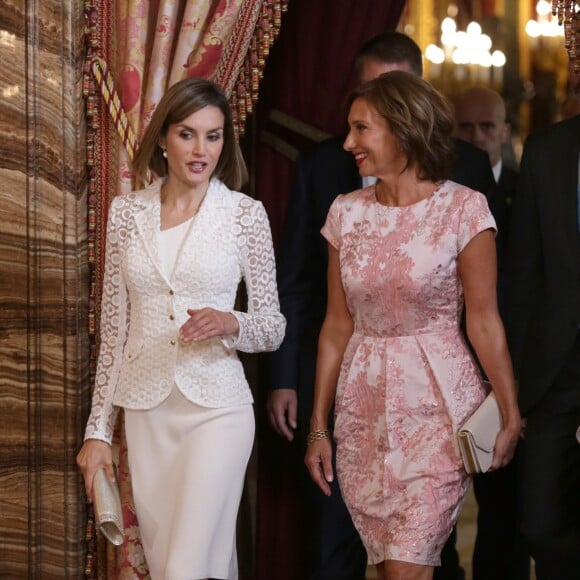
pixel 262 326
pixel 475 218
pixel 114 325
pixel 331 229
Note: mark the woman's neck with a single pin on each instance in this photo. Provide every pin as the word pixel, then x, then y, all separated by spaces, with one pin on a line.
pixel 404 189
pixel 177 198
pixel 179 204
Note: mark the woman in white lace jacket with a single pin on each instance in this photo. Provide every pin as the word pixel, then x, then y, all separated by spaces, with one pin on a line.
pixel 176 253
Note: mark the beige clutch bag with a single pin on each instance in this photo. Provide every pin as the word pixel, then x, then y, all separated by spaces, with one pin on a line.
pixel 478 434
pixel 107 504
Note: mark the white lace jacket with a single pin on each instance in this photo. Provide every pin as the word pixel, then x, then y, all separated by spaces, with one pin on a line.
pixel 141 356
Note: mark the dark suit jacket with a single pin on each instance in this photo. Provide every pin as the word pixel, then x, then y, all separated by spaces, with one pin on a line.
pixel 501 201
pixel 321 174
pixel 544 260
pixel 501 204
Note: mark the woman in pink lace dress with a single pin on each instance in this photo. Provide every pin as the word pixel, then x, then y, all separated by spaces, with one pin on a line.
pixel 404 255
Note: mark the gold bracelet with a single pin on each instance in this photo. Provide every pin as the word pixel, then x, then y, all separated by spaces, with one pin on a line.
pixel 316 435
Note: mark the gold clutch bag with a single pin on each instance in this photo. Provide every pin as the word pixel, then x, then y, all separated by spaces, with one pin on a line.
pixel 107 504
pixel 478 434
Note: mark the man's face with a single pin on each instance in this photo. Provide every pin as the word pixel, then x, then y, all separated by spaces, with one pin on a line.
pixel 480 120
pixel 372 68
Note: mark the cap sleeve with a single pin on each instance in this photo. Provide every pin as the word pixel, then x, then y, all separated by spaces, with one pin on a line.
pixel 475 218
pixel 331 229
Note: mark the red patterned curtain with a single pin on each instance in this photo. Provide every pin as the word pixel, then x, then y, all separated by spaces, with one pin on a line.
pixel 136 50
pixel 307 77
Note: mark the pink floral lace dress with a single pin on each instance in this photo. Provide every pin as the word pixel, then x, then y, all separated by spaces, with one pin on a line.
pixel 408 380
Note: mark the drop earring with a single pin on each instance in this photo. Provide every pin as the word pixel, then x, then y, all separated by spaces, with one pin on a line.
pixel 165 153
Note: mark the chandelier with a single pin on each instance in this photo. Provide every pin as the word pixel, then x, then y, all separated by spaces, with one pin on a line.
pixel 545 24
pixel 465 55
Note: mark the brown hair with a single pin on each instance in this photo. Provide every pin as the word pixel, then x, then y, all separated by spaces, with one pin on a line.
pixel 179 102
pixel 420 117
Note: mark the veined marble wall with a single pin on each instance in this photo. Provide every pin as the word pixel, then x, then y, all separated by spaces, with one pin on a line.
pixel 43 289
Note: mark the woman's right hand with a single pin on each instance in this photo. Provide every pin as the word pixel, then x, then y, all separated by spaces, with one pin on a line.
pixel 93 455
pixel 319 462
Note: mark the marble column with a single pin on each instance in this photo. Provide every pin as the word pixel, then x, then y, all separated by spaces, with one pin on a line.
pixel 44 353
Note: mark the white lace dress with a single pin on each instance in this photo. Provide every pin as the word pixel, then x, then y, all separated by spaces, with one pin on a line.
pixel 188 414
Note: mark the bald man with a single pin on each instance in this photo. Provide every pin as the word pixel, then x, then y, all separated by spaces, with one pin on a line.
pixel 481 120
pixel 480 116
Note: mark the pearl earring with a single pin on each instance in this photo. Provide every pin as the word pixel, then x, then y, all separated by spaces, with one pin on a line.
pixel 165 153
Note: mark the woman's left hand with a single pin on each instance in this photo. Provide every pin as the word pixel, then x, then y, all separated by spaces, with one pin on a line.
pixel 206 323
pixel 505 444
pixel 318 459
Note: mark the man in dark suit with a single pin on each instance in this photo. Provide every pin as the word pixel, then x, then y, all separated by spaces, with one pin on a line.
pixel 499 553
pixel 321 174
pixel 544 336
pixel 480 117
